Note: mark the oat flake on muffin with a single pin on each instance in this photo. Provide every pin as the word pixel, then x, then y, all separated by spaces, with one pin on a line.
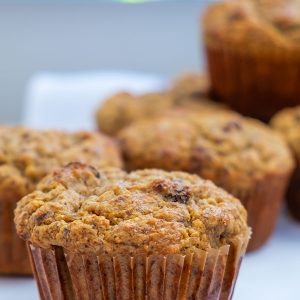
pixel 188 92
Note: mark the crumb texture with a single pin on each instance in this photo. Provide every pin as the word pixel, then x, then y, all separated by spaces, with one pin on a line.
pixel 27 155
pixel 146 211
pixel 232 151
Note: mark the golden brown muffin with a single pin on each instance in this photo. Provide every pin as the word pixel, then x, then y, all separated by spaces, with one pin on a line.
pixel 109 213
pixel 117 112
pixel 188 92
pixel 253 50
pixel 28 155
pixel 241 155
pixel 123 109
pixel 287 123
pixel 190 85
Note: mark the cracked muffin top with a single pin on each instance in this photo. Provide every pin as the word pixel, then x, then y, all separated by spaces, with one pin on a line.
pixel 148 211
pixel 260 23
pixel 287 123
pixel 224 147
pixel 188 92
pixel 27 155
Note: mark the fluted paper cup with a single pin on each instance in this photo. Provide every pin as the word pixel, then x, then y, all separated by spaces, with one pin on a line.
pixel 263 203
pixel 211 274
pixel 13 255
pixel 249 81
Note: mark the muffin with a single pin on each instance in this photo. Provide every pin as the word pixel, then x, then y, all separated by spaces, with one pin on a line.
pixel 241 155
pixel 287 123
pixel 189 92
pixel 253 51
pixel 190 85
pixel 28 155
pixel 124 108
pixel 149 234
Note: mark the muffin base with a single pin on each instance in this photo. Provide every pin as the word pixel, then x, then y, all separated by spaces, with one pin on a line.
pixel 293 195
pixel 263 204
pixel 13 255
pixel 254 83
pixel 202 275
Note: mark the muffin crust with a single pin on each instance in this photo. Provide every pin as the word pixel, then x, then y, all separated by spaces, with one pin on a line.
pixel 146 211
pixel 259 23
pixel 27 155
pixel 190 85
pixel 124 108
pixel 221 146
pixel 188 92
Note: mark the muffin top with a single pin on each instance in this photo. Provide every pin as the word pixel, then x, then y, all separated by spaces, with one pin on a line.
pixel 124 108
pixel 190 85
pixel 188 92
pixel 27 155
pixel 287 122
pixel 260 23
pixel 148 211
pixel 225 147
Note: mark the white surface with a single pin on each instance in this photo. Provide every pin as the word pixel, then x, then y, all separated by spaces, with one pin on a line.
pixel 18 288
pixel 273 272
pixel 69 101
pixel 270 273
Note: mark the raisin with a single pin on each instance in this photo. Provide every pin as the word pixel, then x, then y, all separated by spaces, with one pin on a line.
pixel 41 218
pixel 172 191
pixel 181 196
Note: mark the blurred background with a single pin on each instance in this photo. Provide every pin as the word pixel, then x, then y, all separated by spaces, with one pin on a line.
pixel 160 37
